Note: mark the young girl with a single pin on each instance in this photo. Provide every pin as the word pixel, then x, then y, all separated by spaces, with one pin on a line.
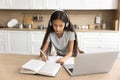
pixel 61 35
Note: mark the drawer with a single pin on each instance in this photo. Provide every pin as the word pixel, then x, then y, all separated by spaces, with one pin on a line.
pixel 100 41
pixel 113 45
pixel 37 36
pixel 92 35
pixel 2 48
pixel 35 49
pixel 98 50
pixel 101 35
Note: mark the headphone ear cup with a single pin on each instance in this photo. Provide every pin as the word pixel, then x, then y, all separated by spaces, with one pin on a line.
pixel 67 24
pixel 50 23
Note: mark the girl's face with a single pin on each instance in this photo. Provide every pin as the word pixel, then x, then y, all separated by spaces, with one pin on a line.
pixel 58 26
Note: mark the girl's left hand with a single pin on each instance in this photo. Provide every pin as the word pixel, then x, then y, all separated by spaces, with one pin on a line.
pixel 61 61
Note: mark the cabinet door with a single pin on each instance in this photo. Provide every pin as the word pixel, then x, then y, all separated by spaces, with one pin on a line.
pixel 80 40
pixel 18 42
pixel 19 4
pixel 36 38
pixel 4 4
pixel 100 42
pixel 52 4
pixel 44 4
pixel 90 4
pixel 3 42
pixel 108 4
pixel 37 4
pixel 119 45
pixel 70 4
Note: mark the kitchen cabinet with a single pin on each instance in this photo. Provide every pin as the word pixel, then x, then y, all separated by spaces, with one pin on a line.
pixel 80 40
pixel 29 42
pixel 100 42
pixel 89 4
pixel 59 4
pixel 44 4
pixel 36 39
pixel 71 4
pixel 19 4
pixel 4 4
pixel 108 4
pixel 18 42
pixel 52 4
pixel 21 42
pixel 3 41
pixel 119 45
pixel 37 4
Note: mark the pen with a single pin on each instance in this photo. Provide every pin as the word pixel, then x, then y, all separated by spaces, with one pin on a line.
pixel 43 53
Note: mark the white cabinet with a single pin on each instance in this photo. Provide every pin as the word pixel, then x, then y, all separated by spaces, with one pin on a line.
pixel 21 42
pixel 18 42
pixel 90 4
pixel 100 42
pixel 52 4
pixel 3 42
pixel 44 4
pixel 107 4
pixel 71 4
pixel 56 4
pixel 19 4
pixel 119 45
pixel 29 42
pixel 37 4
pixel 36 38
pixel 4 4
pixel 80 40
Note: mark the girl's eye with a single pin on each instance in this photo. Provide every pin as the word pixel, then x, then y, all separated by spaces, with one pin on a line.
pixel 54 25
pixel 58 25
pixel 61 25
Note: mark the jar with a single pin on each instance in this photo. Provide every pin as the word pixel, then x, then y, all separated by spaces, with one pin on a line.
pixel 30 26
pixel 103 24
pixel 21 26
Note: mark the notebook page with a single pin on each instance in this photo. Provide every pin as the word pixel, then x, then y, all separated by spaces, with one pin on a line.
pixel 50 69
pixel 33 64
pixel 53 59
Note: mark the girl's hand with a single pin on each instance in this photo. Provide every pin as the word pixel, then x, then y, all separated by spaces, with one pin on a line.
pixel 61 61
pixel 44 58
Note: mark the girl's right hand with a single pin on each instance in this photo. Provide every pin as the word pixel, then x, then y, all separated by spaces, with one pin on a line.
pixel 44 58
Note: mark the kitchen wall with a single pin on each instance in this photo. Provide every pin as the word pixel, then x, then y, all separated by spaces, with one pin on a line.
pixel 81 17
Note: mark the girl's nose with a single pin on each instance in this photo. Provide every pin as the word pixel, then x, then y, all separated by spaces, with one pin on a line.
pixel 57 28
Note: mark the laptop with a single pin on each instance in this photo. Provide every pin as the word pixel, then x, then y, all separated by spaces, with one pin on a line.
pixel 91 63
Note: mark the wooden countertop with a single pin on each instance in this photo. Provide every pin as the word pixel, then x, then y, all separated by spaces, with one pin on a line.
pixel 10 65
pixel 23 29
pixel 77 30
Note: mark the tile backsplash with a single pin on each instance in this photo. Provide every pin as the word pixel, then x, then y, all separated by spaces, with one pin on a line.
pixel 80 17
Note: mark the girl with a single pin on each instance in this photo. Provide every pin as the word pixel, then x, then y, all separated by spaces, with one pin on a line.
pixel 61 35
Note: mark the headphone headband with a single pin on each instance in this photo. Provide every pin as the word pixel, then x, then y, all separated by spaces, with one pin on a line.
pixel 67 23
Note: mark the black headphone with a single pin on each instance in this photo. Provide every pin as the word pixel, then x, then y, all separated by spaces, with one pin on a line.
pixel 67 23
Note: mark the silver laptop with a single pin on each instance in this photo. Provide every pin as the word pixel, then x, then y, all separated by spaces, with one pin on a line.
pixel 91 63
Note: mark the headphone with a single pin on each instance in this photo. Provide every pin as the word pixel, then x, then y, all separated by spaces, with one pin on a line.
pixel 67 23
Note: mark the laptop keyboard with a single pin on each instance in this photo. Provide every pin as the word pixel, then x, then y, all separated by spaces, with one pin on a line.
pixel 71 70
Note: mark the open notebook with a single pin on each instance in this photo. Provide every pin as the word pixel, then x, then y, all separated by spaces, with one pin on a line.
pixel 49 68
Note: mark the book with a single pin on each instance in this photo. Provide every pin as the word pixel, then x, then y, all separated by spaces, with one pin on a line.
pixel 48 68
